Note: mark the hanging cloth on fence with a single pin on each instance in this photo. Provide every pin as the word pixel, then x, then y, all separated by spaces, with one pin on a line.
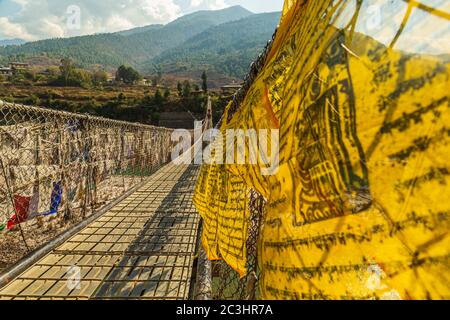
pixel 221 198
pixel 55 199
pixel 33 210
pixel 21 207
pixel 26 207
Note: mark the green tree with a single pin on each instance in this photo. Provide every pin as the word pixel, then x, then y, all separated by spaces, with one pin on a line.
pixel 127 75
pixel 81 78
pixel 204 82
pixel 166 93
pixel 30 75
pixel 156 79
pixel 187 89
pixel 70 76
pixel 67 68
pixel 158 98
pixel 99 77
pixel 180 89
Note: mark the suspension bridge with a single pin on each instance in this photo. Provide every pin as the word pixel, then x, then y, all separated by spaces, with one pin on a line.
pixel 94 208
pixel 141 245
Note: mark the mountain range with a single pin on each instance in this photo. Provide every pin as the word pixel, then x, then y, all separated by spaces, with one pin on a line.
pixel 223 41
pixel 11 42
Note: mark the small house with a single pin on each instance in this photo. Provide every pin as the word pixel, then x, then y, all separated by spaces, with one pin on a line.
pixel 6 71
pixel 18 66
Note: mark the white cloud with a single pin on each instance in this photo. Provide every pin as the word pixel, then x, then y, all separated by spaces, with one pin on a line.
pixel 209 4
pixel 14 30
pixel 51 27
pixel 38 19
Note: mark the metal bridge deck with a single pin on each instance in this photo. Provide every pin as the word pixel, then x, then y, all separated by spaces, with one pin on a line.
pixel 143 248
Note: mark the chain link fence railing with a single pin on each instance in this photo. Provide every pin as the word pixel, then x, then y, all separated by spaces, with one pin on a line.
pixel 226 283
pixel 58 168
pixel 216 280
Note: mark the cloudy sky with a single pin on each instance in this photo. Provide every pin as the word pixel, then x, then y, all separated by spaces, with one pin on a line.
pixel 39 19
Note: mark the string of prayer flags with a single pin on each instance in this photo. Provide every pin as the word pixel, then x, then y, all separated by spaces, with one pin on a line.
pixel 27 207
pixel 359 206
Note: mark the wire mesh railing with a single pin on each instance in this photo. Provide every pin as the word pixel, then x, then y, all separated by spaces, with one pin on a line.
pixel 226 283
pixel 58 168
pixel 216 280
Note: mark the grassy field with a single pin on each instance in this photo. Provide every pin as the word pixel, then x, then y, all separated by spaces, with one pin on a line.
pixel 22 93
pixel 128 103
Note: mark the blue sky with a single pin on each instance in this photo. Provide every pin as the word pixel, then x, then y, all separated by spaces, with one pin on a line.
pixel 40 19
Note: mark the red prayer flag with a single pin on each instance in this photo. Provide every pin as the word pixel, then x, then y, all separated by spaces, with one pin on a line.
pixel 22 206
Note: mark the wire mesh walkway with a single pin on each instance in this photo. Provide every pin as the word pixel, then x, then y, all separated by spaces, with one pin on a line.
pixel 143 248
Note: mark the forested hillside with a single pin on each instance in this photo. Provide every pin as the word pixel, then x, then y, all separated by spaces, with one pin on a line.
pixel 223 41
pixel 227 48
pixel 133 47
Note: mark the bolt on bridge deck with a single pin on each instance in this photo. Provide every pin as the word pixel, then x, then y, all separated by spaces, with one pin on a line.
pixel 143 248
